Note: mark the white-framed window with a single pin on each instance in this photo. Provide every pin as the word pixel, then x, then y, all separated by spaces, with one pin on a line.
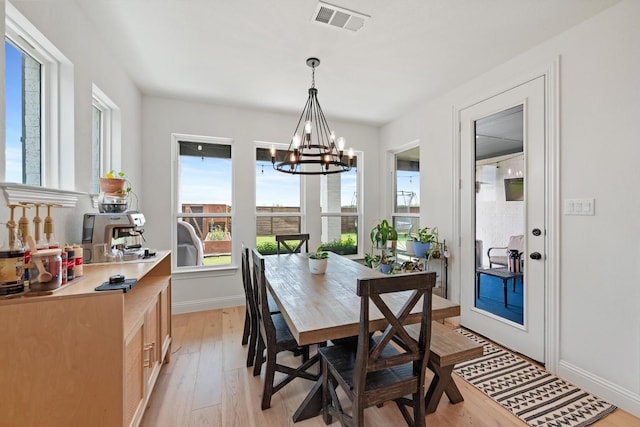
pixel 279 206
pixel 341 210
pixel 105 136
pixel 203 202
pixel 38 108
pixel 406 192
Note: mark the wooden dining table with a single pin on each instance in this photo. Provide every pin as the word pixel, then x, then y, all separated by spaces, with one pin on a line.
pixel 325 307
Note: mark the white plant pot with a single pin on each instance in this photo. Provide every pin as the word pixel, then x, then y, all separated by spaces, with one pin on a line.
pixel 409 247
pixel 318 266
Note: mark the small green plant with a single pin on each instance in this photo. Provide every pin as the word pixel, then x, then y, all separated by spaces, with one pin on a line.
pixel 383 232
pixel 319 254
pixel 427 235
pixel 113 174
pixel 218 233
pixel 371 261
pixel 267 248
pixel 341 247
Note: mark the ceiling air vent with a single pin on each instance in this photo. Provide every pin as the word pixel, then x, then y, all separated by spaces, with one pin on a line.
pixel 339 17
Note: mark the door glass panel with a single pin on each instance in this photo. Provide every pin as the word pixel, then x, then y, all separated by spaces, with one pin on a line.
pixel 500 214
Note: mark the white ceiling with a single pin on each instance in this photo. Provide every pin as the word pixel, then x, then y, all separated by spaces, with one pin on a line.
pixel 252 53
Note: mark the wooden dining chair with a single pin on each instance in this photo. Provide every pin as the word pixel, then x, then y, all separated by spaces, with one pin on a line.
pixel 292 243
pixel 250 330
pixel 388 365
pixel 275 337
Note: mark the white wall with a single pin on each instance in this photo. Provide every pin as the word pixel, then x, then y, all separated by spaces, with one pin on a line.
pixel 162 117
pixel 599 331
pixel 67 28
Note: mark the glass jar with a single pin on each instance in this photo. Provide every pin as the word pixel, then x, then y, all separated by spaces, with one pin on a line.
pixel 45 271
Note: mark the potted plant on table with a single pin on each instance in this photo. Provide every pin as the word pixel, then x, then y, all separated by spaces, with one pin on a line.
pixel 318 261
pixel 425 238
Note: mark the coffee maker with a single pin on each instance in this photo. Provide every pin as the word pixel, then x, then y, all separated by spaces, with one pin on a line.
pixel 104 233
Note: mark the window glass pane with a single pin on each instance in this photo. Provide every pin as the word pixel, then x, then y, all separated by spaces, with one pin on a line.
pixel 340 190
pixel 340 234
pixel 205 188
pixel 213 235
pixel 268 226
pixel 205 174
pixel 339 195
pixel 278 191
pixel 23 116
pixel 96 147
pixel 407 164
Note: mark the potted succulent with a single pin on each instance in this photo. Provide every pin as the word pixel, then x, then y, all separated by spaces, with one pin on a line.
pixel 382 233
pixel 318 261
pixel 425 237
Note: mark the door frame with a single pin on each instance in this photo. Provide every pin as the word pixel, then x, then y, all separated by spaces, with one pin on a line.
pixel 551 73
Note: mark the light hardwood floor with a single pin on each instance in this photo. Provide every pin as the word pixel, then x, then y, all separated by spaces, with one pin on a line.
pixel 207 384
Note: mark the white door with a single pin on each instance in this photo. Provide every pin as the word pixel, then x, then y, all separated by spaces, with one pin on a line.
pixel 503 150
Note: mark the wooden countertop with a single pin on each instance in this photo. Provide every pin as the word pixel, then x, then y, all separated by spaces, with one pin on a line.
pixel 96 274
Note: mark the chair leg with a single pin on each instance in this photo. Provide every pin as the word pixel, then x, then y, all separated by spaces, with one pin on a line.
pixel 247 328
pixel 268 380
pixel 253 336
pixel 418 409
pixel 326 396
pixel 257 367
pixel 357 415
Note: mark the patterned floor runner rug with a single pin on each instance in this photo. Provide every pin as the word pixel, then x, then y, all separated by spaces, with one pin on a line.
pixel 531 393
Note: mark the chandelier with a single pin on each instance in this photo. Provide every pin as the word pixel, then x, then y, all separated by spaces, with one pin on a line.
pixel 314 149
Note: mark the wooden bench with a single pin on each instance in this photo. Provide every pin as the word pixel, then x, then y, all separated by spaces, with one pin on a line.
pixel 448 348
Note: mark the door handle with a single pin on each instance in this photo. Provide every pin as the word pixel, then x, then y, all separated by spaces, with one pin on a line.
pixel 535 255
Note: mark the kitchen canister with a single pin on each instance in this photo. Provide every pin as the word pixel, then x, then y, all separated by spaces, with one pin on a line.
pixel 45 271
pixel 11 271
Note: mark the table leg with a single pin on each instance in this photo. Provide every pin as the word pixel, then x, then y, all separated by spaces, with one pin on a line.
pixel 311 406
pixel 442 383
pixel 504 290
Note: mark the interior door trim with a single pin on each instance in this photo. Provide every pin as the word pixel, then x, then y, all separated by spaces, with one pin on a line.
pixel 551 74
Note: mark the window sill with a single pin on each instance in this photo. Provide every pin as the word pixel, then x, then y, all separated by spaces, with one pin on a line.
pixel 16 193
pixel 201 272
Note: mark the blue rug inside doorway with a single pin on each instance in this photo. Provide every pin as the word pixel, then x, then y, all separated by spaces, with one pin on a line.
pixel 492 298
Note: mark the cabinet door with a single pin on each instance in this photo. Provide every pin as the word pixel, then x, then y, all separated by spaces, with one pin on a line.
pixel 134 389
pixel 152 344
pixel 165 323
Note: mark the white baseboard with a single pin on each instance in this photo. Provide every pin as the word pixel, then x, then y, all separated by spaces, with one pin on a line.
pixel 206 304
pixel 613 393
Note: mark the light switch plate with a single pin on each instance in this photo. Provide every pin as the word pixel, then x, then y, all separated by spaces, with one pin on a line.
pixel 580 206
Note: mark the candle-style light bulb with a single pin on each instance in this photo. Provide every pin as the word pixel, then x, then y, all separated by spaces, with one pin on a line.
pixel 332 136
pixel 273 154
pixel 341 143
pixel 307 127
pixel 351 153
pixel 296 141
